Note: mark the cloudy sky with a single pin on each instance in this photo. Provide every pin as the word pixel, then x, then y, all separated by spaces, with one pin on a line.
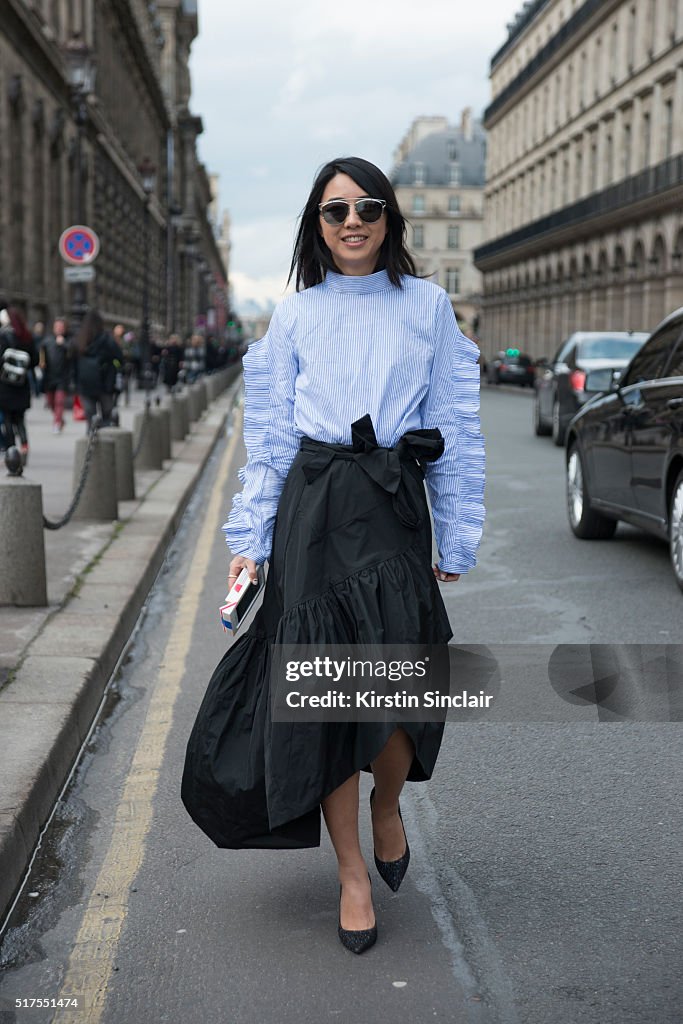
pixel 282 88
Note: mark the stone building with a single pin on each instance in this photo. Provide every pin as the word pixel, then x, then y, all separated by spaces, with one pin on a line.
pixel 439 180
pixel 63 162
pixel 584 194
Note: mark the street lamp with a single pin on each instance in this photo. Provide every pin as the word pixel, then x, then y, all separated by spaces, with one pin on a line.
pixel 80 69
pixel 147 172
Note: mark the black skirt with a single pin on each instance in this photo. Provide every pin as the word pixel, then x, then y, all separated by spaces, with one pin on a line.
pixel 351 563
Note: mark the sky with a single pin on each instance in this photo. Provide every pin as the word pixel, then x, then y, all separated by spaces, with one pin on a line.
pixel 283 88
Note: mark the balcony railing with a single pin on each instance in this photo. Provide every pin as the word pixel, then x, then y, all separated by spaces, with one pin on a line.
pixel 650 182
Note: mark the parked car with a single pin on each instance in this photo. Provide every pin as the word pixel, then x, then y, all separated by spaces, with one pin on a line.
pixel 625 447
pixel 511 367
pixel 560 384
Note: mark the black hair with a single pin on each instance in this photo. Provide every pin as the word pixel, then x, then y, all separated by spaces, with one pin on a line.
pixel 92 325
pixel 312 258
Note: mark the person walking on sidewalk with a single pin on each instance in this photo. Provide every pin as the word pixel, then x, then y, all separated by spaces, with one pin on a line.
pixel 362 386
pixel 56 359
pixel 18 356
pixel 98 358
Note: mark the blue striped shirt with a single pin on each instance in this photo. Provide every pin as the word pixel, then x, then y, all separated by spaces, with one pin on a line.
pixel 351 346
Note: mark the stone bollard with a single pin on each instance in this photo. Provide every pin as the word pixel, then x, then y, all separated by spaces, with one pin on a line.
pixel 177 419
pixel 203 395
pixel 163 418
pixel 99 499
pixel 150 454
pixel 123 453
pixel 211 384
pixel 193 404
pixel 22 543
pixel 184 403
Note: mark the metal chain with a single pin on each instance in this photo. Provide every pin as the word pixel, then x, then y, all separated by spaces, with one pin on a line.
pixel 143 427
pixel 56 525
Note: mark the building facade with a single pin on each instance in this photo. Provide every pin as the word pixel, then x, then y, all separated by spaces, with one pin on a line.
pixel 438 176
pixel 63 164
pixel 584 194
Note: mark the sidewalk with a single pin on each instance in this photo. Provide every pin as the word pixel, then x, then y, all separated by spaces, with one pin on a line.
pixel 56 661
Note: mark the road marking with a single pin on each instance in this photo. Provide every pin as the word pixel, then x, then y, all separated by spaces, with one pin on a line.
pixel 92 961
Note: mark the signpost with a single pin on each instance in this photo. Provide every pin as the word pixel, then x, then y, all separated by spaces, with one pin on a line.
pixel 79 247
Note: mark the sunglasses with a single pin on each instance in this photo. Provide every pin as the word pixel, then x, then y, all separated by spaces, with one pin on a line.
pixel 337 210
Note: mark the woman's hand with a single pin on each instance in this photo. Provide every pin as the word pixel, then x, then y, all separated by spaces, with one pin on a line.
pixel 445 577
pixel 238 563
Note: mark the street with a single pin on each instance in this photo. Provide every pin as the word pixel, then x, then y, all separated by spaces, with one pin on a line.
pixel 545 881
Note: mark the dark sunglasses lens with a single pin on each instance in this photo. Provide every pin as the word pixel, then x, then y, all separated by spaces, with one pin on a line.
pixel 369 210
pixel 335 213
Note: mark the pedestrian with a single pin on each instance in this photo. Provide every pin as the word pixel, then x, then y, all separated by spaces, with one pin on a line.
pixel 171 358
pixel 98 359
pixel 18 356
pixel 56 360
pixel 36 373
pixel 194 360
pixel 362 386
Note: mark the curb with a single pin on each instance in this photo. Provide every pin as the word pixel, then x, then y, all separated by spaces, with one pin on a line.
pixel 48 709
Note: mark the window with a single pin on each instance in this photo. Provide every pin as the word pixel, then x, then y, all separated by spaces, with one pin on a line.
pixel 418 174
pixel 646 139
pixel 614 60
pixel 673 20
pixel 454 204
pixel 418 237
pixel 452 151
pixel 668 127
pixel 452 280
pixel 675 367
pixel 454 238
pixel 628 142
pixel 579 171
pixel 649 363
pixel 594 166
pixel 418 204
pixel 455 173
pixel 632 39
pixel 609 160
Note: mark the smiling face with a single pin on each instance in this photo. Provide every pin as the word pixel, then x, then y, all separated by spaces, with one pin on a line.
pixel 354 244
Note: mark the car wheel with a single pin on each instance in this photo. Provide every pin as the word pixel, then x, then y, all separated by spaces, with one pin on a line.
pixel 558 430
pixel 585 522
pixel 676 530
pixel 541 429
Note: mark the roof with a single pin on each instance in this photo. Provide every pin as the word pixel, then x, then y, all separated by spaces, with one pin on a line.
pixel 437 152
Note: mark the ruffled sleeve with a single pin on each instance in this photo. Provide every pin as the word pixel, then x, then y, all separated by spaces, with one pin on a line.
pixel 456 480
pixel 270 370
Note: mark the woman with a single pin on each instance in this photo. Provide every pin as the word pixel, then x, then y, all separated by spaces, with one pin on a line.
pixel 56 363
pixel 347 397
pixel 98 358
pixel 18 356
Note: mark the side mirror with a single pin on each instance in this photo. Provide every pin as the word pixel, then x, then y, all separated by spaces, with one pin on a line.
pixel 601 381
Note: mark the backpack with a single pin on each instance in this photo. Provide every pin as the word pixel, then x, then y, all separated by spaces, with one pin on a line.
pixel 14 367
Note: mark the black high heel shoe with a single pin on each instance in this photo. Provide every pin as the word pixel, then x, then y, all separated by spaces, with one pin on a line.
pixel 393 871
pixel 356 941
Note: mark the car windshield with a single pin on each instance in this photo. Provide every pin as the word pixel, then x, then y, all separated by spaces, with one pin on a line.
pixel 609 347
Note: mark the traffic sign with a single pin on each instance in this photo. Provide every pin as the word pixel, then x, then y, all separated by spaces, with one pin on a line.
pixel 79 245
pixel 76 275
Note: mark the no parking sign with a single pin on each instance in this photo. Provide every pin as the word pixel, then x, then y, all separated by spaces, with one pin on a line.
pixel 79 245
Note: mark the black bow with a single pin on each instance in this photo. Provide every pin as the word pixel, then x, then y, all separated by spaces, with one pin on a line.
pixel 383 465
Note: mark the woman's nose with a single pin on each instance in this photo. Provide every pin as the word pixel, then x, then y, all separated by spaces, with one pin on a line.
pixel 352 218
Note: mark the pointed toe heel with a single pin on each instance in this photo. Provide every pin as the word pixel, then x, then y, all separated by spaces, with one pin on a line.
pixel 393 871
pixel 356 941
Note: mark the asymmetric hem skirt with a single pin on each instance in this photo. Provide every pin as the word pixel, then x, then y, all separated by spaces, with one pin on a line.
pixel 351 563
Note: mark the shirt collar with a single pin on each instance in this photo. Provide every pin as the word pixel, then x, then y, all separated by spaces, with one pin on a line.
pixel 364 285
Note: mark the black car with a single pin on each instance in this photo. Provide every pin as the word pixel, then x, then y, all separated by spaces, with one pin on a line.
pixel 511 367
pixel 625 447
pixel 560 385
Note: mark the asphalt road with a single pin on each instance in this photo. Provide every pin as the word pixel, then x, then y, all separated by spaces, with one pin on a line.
pixel 545 881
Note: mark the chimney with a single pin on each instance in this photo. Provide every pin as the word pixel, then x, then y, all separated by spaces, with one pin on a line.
pixel 466 123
